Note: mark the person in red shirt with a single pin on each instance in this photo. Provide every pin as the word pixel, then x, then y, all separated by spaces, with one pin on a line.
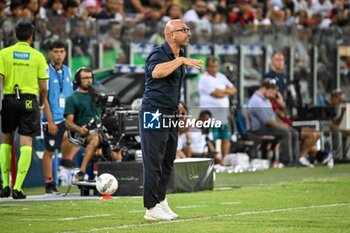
pixel 243 16
pixel 308 136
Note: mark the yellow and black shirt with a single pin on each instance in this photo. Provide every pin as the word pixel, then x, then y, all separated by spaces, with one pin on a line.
pixel 24 66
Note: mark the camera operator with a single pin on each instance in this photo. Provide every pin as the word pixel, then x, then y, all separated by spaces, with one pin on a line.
pixel 79 112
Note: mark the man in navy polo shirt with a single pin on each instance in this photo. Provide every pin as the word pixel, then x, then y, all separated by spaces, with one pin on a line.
pixel 165 71
pixel 277 72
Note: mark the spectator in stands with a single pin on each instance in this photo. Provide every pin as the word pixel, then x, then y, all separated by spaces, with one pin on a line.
pixel 278 16
pixel 60 87
pixel 220 29
pixel 71 9
pixel 299 5
pixel 311 8
pixel 70 14
pixel 315 20
pixel 54 9
pixel 7 24
pixel 335 18
pixel 276 3
pixel 290 5
pixel 16 9
pixel 90 9
pixel 243 16
pixel 80 38
pixel 154 14
pixel 198 16
pixel 55 17
pixel 259 16
pixel 79 111
pixel 112 9
pixel 264 121
pixel 112 42
pixel 214 92
pixel 143 6
pixel 174 11
pixel 42 10
pixel 302 19
pixel 277 72
pixel 31 9
pixel 323 7
pixel 2 8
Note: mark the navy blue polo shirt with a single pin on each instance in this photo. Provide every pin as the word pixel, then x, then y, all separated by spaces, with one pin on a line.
pixel 280 78
pixel 164 92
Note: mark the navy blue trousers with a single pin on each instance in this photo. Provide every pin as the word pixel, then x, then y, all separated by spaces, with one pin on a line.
pixel 158 154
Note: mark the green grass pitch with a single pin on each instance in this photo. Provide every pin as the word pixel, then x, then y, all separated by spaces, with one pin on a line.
pixel 276 200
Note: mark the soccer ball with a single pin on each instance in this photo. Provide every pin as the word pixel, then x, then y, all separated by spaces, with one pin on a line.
pixel 106 184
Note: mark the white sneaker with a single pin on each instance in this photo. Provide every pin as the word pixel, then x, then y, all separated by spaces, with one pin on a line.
pixel 65 176
pixel 327 158
pixel 167 209
pixel 157 213
pixel 304 162
pixel 330 163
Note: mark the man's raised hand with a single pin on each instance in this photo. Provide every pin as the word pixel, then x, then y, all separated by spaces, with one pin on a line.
pixel 196 63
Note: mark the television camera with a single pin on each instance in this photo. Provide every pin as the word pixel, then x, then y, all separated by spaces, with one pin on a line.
pixel 118 126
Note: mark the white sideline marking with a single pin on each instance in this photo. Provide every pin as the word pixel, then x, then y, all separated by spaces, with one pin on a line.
pixel 137 211
pixel 83 217
pixel 230 203
pixel 38 219
pixel 68 219
pixel 8 204
pixel 214 216
pixel 190 206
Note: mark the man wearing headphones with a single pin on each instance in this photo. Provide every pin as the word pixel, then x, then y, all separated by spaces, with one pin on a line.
pixel 24 71
pixel 79 111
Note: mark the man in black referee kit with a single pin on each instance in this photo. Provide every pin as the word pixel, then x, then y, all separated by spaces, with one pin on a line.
pixel 165 71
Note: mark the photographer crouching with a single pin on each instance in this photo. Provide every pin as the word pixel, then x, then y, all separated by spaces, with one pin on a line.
pixel 79 112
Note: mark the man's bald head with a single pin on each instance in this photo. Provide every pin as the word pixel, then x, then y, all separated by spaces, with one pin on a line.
pixel 171 25
pixel 177 33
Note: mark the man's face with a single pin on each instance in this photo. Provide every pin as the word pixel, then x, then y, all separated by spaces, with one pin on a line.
pixel 278 62
pixel 212 68
pixel 339 99
pixel 58 55
pixel 201 8
pixel 181 34
pixel 115 5
pixel 85 79
pixel 204 117
pixel 270 93
pixel 175 12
